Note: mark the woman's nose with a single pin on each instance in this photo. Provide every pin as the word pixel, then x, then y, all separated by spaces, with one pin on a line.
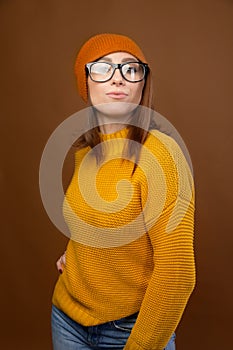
pixel 117 77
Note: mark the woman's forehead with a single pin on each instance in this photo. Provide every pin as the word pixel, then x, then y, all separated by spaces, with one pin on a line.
pixel 119 56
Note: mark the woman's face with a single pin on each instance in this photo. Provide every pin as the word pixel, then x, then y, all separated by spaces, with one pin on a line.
pixel 117 89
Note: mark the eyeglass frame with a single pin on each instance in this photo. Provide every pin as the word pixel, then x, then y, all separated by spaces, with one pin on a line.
pixel 117 66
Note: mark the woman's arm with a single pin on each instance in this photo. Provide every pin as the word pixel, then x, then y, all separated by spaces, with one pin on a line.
pixel 169 289
pixel 171 236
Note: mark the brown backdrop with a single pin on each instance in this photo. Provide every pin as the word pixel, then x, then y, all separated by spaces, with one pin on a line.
pixel 189 45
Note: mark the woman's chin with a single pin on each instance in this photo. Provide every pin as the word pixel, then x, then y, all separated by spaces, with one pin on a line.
pixel 115 109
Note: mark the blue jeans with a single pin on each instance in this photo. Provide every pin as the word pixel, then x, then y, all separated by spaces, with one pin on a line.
pixel 70 335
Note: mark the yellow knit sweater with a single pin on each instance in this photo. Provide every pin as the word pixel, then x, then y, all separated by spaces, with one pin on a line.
pixel 131 246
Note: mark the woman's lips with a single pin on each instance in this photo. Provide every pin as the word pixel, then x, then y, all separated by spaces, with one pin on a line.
pixel 116 94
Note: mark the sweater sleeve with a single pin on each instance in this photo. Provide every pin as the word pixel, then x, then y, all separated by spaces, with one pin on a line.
pixel 173 277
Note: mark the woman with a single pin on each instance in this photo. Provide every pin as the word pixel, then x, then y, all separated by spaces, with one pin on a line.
pixel 128 270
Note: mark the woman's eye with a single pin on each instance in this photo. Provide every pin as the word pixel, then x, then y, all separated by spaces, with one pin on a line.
pixel 131 69
pixel 101 68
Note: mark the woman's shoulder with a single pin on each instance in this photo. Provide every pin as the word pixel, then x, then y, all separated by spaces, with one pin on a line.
pixel 157 140
pixel 165 147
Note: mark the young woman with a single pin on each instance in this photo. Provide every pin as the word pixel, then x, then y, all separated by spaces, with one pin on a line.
pixel 128 270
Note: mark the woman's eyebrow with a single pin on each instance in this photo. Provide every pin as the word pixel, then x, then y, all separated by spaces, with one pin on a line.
pixel 129 59
pixel 126 59
pixel 105 59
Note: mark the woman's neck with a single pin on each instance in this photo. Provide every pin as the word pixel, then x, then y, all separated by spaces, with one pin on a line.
pixel 111 128
pixel 108 124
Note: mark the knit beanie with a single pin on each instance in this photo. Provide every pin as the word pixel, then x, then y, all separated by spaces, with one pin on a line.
pixel 97 47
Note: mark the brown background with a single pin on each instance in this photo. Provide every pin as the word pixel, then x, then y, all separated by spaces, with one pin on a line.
pixel 189 45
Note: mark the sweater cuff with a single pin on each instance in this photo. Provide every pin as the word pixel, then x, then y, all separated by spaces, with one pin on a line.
pixel 132 345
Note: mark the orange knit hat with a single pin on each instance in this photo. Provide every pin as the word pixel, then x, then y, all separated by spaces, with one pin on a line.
pixel 97 47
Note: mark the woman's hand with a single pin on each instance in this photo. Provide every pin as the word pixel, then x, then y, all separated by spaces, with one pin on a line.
pixel 61 262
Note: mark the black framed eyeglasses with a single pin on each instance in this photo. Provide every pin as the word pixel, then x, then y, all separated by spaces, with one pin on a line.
pixel 103 71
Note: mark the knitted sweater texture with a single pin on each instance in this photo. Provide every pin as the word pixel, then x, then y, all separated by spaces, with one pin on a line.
pixel 131 246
